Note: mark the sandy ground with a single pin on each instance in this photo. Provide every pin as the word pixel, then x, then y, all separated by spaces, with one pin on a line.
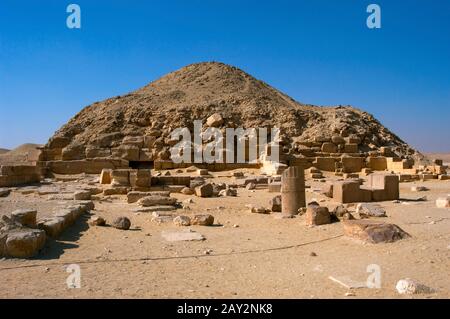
pixel 263 257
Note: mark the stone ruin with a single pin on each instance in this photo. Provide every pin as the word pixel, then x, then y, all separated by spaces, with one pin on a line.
pixel 126 140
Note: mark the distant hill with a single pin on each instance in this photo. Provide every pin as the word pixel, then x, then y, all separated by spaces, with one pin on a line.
pixel 443 156
pixel 3 150
pixel 25 153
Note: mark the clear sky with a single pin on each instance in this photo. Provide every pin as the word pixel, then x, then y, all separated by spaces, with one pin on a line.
pixel 318 52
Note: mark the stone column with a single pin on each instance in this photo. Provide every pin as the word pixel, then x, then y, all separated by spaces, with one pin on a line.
pixel 293 190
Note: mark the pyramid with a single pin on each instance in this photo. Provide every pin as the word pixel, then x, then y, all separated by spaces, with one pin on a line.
pixel 136 127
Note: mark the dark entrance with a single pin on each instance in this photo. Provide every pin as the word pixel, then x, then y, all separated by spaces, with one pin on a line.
pixel 141 165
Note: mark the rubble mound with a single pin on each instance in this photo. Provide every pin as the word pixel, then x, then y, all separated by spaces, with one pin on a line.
pixel 144 119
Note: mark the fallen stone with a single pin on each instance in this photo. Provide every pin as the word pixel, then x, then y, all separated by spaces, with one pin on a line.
pixel 4 192
pixel 182 221
pixel 275 204
pixel 370 210
pixel 82 195
pixel 317 215
pixel 410 287
pixel 185 235
pixel 162 219
pixel 122 223
pixel 134 196
pixel 250 186
pixel 374 232
pixel 418 189
pixel 25 217
pixel 443 202
pixel 231 192
pixel 214 120
pixel 205 190
pixel 259 210
pixel 151 209
pixel 24 243
pixel 187 191
pixel 156 200
pixel 97 221
pixel 203 220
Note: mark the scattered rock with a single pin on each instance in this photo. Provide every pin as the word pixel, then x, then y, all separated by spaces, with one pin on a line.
pixel 317 215
pixel 97 221
pixel 259 210
pixel 82 195
pixel 275 204
pixel 443 202
pixel 373 232
pixel 419 189
pixel 366 210
pixel 340 212
pixel 4 192
pixel 228 192
pixel 410 287
pixel 203 220
pixel 151 209
pixel 187 191
pixel 157 200
pixel 214 120
pixel 250 186
pixel 182 221
pixel 205 190
pixel 122 223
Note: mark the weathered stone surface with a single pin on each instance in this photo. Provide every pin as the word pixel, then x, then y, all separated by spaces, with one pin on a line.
pixel 203 220
pixel 327 190
pixel 182 221
pixel 122 223
pixel 120 177
pixel 82 195
pixel 25 217
pixel 370 210
pixel 53 227
pixel 317 215
pixel 187 191
pixel 205 190
pixel 116 191
pixel 443 202
pixel 157 200
pixel 373 232
pixel 97 221
pixel 24 243
pixel 150 209
pixel 4 192
pixel 275 204
pixel 134 196
pixel 105 176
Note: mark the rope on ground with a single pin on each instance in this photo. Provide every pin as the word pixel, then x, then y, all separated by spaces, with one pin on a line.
pixel 173 257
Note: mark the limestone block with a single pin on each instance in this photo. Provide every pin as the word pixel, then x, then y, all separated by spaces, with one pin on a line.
pixel 24 243
pixel 317 215
pixel 105 176
pixel 25 217
pixel 120 177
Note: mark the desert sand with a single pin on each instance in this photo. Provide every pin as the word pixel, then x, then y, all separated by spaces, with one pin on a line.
pixel 244 255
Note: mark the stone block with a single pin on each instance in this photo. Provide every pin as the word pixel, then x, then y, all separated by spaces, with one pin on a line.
pixel 352 164
pixel 317 215
pixel 24 243
pixel 120 177
pixel 373 231
pixel 105 176
pixel 25 217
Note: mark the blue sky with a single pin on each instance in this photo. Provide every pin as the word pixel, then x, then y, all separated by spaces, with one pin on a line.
pixel 318 52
